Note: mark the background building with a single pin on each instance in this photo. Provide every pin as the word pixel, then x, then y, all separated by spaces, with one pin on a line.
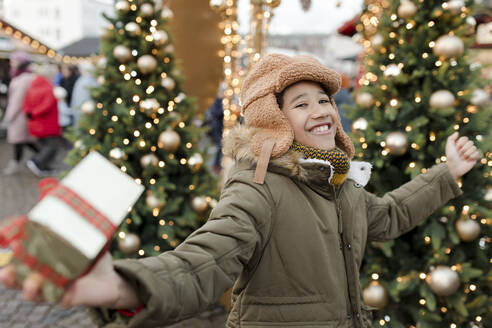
pixel 57 22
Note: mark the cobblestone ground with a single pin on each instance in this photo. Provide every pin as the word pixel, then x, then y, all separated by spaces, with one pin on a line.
pixel 18 193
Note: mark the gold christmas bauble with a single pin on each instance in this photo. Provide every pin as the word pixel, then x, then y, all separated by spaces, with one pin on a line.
pixel 407 9
pixel 147 10
pixel 160 37
pixel 133 28
pixel 467 229
pixel 377 40
pixel 375 295
pixel 397 143
pixel 443 281
pixel 213 203
pixel 455 6
pixel 100 80
pixel 480 97
pixel 364 99
pixel 166 13
pixel 122 53
pixel 147 64
pixel 168 83
pixel 199 204
pixel 117 154
pixel 123 6
pixel 360 124
pixel 129 244
pixel 442 99
pixel 88 107
pixel 154 202
pixel 195 162
pixel 149 105
pixel 149 159
pixel 169 140
pixel 448 46
pixel 274 3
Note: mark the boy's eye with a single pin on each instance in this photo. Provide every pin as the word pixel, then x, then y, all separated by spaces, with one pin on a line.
pixel 301 105
pixel 324 101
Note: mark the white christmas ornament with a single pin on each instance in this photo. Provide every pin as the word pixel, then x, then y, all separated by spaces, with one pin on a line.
pixel 149 159
pixel 160 37
pixel 442 99
pixel 168 83
pixel 375 295
pixel 455 6
pixel 448 46
pixel 360 124
pixel 397 143
pixel 146 64
pixel 467 229
pixel 392 70
pixel 133 28
pixel 480 97
pixel 153 202
pixel 102 62
pixel 443 281
pixel 147 10
pixel 117 154
pixel 122 53
pixel 166 13
pixel 407 9
pixel 364 99
pixel 129 244
pixel 88 107
pixel 149 105
pixel 123 6
pixel 377 40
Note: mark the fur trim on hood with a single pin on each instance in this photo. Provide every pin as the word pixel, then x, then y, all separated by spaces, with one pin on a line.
pixel 237 145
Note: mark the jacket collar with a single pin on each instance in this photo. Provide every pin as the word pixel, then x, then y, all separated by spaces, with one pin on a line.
pixel 237 145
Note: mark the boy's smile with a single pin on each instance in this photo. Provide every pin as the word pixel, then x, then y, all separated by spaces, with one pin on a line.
pixel 311 115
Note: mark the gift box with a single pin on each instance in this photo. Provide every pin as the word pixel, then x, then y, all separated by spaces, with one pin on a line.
pixel 71 225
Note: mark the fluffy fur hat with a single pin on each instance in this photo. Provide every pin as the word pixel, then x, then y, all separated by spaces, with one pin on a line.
pixel 273 133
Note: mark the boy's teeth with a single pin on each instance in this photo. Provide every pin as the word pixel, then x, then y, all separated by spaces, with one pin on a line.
pixel 321 128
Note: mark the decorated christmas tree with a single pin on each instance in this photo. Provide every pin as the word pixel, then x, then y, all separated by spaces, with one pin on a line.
pixel 418 86
pixel 142 121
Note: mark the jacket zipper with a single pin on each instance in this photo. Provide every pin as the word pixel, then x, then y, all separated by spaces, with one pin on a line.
pixel 336 192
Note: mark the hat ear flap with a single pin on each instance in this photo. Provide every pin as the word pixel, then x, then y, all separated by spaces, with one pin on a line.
pixel 271 123
pixel 342 140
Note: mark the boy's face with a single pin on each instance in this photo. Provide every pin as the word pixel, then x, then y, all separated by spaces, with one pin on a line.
pixel 311 115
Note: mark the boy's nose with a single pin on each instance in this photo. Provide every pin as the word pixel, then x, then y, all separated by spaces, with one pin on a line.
pixel 320 111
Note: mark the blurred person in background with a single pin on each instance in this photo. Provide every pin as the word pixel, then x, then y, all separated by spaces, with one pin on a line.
pixel 15 120
pixel 214 120
pixel 70 74
pixel 344 97
pixel 81 90
pixel 41 108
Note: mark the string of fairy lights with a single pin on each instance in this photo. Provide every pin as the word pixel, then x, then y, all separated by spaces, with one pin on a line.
pixel 36 45
pixel 247 49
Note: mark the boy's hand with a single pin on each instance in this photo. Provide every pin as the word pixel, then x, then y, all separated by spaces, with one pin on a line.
pixel 101 286
pixel 461 155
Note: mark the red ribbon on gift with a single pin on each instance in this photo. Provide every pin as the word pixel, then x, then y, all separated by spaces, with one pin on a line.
pixel 12 234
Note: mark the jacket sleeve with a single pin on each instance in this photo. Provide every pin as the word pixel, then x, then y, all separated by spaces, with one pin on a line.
pixel 402 209
pixel 181 283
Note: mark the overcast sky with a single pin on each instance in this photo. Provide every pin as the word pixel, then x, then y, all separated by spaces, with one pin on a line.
pixel 323 17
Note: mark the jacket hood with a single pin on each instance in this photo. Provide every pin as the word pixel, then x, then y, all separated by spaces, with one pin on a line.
pixel 237 145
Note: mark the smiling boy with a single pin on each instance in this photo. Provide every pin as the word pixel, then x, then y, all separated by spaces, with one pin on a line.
pixel 291 226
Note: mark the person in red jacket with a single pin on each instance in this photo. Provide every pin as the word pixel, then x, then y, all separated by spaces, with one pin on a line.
pixel 40 107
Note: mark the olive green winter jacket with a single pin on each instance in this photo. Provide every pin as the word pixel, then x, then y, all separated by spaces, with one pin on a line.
pixel 291 247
